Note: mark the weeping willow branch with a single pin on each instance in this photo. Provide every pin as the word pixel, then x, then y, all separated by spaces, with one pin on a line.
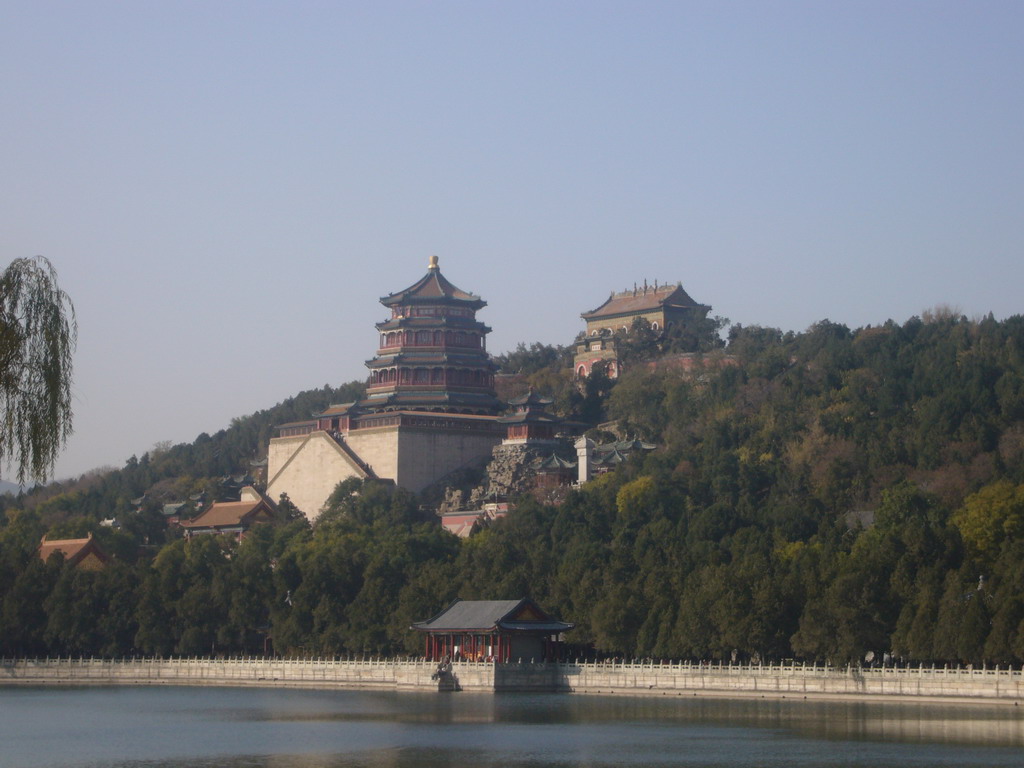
pixel 38 332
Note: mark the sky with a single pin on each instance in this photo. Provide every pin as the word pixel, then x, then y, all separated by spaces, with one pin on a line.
pixel 227 188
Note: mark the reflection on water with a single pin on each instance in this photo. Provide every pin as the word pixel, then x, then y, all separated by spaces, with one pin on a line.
pixel 231 728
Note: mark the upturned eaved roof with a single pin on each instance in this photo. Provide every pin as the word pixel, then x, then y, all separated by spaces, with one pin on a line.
pixel 433 287
pixel 644 299
pixel 492 615
pixel 610 458
pixel 229 514
pixel 555 462
pixel 531 398
pixel 337 409
pixel 534 417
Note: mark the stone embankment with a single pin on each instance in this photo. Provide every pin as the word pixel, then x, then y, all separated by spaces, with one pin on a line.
pixel 631 678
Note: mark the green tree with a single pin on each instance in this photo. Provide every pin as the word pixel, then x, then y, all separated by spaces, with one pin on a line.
pixel 527 360
pixel 38 332
pixel 991 516
pixel 640 342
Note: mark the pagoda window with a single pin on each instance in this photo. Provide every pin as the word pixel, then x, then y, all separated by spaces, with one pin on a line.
pixel 420 376
pixel 438 338
pixel 460 339
pixel 447 337
pixel 423 338
pixel 437 376
pixel 403 375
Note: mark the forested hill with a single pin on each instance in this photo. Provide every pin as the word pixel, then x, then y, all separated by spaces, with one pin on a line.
pixel 817 495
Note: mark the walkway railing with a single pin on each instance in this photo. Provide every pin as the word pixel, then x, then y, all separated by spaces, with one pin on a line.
pixel 578 675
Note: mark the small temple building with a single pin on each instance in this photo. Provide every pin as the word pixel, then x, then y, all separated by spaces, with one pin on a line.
pixel 663 306
pixel 78 553
pixel 598 458
pixel 492 630
pixel 233 518
pixel 530 422
pixel 430 407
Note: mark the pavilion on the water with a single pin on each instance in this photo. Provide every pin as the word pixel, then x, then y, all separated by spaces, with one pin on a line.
pixel 493 630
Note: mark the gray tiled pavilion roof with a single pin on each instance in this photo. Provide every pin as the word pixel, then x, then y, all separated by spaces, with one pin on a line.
pixel 489 615
pixel 433 287
pixel 644 300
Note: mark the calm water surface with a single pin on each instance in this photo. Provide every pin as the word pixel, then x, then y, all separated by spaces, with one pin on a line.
pixel 122 727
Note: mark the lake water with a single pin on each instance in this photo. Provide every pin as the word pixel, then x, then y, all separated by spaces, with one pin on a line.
pixel 125 727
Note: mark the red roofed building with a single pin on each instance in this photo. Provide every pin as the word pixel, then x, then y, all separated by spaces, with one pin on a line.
pixel 78 553
pixel 233 518
pixel 461 522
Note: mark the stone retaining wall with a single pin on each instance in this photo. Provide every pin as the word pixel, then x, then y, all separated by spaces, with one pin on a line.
pixel 796 680
pixel 648 678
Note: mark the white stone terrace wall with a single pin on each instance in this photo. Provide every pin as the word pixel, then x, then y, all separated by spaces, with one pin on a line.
pixel 793 680
pixel 633 678
pixel 369 673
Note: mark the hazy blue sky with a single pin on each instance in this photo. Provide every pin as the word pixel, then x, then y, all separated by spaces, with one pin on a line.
pixel 227 188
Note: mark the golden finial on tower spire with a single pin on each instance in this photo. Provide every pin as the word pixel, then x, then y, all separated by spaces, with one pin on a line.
pixel 433 262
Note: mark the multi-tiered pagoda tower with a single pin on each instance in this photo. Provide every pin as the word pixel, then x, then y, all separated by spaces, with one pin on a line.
pixel 429 410
pixel 433 351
